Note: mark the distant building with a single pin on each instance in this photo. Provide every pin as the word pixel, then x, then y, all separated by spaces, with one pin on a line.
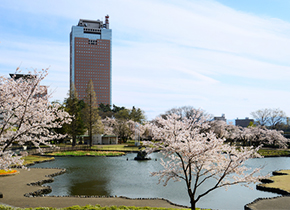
pixel 90 58
pixel 101 139
pixel 23 76
pixel 244 122
pixel 222 118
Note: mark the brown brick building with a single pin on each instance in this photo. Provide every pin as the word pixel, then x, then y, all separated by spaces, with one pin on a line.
pixel 90 58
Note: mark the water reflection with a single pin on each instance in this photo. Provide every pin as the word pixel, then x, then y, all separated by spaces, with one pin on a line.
pixel 91 187
pixel 117 176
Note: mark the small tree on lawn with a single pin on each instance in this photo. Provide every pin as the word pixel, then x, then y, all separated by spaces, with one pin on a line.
pixel 196 156
pixel 27 115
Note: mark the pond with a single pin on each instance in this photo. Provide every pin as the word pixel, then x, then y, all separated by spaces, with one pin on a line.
pixel 117 176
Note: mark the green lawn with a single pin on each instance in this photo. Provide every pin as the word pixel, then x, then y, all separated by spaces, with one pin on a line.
pixel 86 153
pixel 280 181
pixel 31 159
pixel 127 147
pixel 273 152
pixel 117 147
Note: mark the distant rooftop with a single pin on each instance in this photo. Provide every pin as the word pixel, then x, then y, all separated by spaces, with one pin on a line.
pixel 94 24
pixel 25 76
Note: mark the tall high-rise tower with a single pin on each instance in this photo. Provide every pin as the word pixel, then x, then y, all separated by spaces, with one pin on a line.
pixel 90 58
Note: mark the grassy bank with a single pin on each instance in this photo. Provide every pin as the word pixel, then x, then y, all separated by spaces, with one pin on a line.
pixel 126 147
pixel 281 182
pixel 274 152
pixel 87 153
pixel 118 147
pixel 28 160
pixel 31 159
pixel 90 207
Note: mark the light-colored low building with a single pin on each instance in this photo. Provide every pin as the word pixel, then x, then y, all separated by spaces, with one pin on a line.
pixel 102 139
pixel 97 139
pixel 109 139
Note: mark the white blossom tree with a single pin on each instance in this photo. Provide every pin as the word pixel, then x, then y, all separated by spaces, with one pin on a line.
pixel 252 135
pixel 27 115
pixel 223 130
pixel 261 135
pixel 275 137
pixel 109 124
pixel 123 128
pixel 196 156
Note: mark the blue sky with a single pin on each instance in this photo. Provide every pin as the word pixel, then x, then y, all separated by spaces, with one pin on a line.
pixel 223 56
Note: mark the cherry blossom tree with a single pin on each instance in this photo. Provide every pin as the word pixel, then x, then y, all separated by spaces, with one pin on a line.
pixel 196 156
pixel 252 135
pixel 125 129
pixel 223 130
pixel 27 115
pixel 261 135
pixel 119 128
pixel 136 128
pixel 109 124
pixel 274 137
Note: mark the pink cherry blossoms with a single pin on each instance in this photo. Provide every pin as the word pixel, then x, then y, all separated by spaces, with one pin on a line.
pixel 252 135
pixel 195 154
pixel 27 115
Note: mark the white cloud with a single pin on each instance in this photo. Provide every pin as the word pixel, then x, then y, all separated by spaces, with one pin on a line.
pixel 165 53
pixel 29 54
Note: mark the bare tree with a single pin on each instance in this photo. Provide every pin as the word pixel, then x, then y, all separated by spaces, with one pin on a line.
pixel 185 112
pixel 269 117
pixel 262 116
pixel 276 117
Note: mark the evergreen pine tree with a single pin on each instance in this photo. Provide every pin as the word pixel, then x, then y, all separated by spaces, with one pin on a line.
pixel 92 118
pixel 74 106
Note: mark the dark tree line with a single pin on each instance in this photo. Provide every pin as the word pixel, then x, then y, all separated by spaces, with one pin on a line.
pixel 121 113
pixel 87 114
